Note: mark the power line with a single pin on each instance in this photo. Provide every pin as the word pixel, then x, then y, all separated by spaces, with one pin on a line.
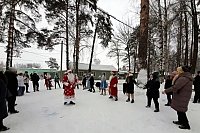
pixel 110 15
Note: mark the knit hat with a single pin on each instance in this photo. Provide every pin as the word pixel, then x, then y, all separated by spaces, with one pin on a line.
pixel 186 68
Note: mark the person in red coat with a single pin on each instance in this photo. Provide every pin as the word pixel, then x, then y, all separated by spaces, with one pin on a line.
pixel 113 86
pixel 69 86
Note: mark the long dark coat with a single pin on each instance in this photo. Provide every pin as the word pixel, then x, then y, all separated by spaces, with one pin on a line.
pixel 12 84
pixel 182 91
pixel 168 84
pixel 91 81
pixel 153 88
pixel 130 84
pixel 197 83
pixel 3 107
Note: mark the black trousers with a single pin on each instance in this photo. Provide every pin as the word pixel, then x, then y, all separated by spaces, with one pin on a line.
pixel 155 100
pixel 169 98
pixel 196 96
pixel 182 118
pixel 92 88
pixel 57 83
pixel 84 86
pixel 11 103
pixel 26 85
pixel 35 86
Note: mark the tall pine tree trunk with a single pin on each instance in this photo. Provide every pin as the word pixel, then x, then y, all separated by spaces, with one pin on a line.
pixel 165 40
pixel 77 41
pixel 186 39
pixel 92 51
pixel 1 21
pixel 144 21
pixel 196 28
pixel 179 47
pixel 160 28
pixel 10 36
pixel 192 44
pixel 67 31
pixel 118 60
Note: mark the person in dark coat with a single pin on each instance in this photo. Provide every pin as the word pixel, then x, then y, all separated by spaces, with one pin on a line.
pixel 26 81
pixel 84 81
pixel 130 87
pixel 35 79
pixel 182 91
pixel 197 88
pixel 153 86
pixel 3 106
pixel 12 87
pixel 57 80
pixel 168 84
pixel 91 83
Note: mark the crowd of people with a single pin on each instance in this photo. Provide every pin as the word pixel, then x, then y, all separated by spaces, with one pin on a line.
pixel 178 89
pixel 13 84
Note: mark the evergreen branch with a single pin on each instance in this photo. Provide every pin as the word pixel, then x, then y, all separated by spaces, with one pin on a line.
pixel 18 11
pixel 25 24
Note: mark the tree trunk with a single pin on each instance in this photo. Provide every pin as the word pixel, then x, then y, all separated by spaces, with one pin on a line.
pixel 165 40
pixel 160 28
pixel 192 43
pixel 186 39
pixel 77 41
pixel 1 21
pixel 10 36
pixel 179 47
pixel 92 52
pixel 129 58
pixel 117 60
pixel 144 21
pixel 196 28
pixel 67 30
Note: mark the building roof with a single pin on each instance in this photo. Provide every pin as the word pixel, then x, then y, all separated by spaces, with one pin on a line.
pixel 83 66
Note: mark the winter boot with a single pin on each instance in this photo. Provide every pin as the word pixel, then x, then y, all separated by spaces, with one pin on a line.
pixel 128 100
pixel 71 102
pixel 110 97
pixel 167 104
pixel 148 106
pixel 132 101
pixel 156 110
pixel 177 122
pixel 116 99
pixel 4 128
pixel 185 127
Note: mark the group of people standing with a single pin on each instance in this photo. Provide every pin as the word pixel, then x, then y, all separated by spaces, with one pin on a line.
pixel 13 84
pixel 8 93
pixel 178 88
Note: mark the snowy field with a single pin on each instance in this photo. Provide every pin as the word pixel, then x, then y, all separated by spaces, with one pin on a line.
pixel 44 112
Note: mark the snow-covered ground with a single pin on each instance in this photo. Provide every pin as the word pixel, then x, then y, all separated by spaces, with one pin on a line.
pixel 44 112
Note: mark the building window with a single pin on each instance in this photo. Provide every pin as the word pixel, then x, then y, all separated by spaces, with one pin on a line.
pixel 80 73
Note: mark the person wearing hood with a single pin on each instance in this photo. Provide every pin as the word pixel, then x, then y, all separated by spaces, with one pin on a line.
pixel 182 91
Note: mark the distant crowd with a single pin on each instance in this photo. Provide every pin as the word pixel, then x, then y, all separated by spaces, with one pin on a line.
pixel 13 84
